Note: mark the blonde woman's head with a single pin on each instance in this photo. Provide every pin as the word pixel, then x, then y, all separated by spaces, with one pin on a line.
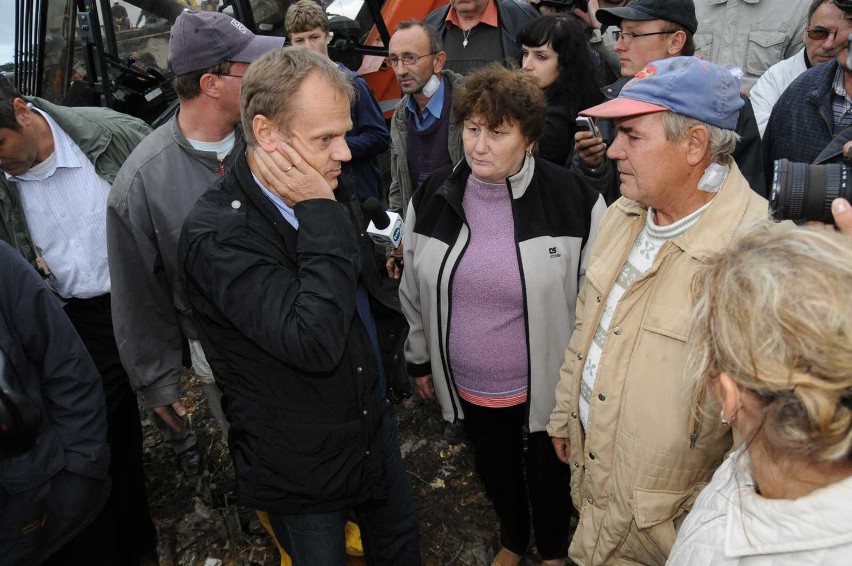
pixel 774 313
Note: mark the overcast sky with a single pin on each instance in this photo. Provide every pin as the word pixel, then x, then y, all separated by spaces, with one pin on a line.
pixel 7 30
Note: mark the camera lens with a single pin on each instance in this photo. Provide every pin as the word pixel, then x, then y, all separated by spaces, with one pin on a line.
pixel 801 191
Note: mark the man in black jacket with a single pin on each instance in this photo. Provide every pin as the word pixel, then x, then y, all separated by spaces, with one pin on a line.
pixel 292 313
pixel 53 477
pixel 478 32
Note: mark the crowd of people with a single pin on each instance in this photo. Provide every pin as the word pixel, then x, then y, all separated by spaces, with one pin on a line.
pixel 648 370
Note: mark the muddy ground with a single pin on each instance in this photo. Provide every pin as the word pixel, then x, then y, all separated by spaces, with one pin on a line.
pixel 199 525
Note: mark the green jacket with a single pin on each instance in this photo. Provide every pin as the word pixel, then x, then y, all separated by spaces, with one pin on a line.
pixel 105 136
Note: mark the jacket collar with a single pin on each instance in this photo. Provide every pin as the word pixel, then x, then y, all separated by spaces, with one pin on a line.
pixel 452 189
pixel 716 227
pixel 92 140
pixel 757 526
pixel 206 156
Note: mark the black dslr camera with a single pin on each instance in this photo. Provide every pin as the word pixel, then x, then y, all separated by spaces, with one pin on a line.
pixel 801 191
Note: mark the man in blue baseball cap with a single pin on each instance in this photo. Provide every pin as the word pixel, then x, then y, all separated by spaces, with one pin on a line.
pixel 649 30
pixel 639 453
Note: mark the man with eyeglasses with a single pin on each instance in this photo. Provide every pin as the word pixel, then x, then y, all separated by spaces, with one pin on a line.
pixel 823 19
pixel 423 137
pixel 154 191
pixel 812 120
pixel 650 30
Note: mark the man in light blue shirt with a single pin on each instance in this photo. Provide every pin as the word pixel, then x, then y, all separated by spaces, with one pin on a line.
pixel 423 139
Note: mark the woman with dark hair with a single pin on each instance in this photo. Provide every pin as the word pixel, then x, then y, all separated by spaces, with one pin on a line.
pixel 495 248
pixel 555 51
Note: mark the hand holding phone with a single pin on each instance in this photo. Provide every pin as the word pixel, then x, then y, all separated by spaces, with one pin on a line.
pixel 584 123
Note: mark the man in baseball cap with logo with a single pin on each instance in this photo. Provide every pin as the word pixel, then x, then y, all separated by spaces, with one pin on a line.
pixel 159 183
pixel 638 453
pixel 650 30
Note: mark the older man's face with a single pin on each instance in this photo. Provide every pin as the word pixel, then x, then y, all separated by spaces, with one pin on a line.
pixel 651 167
pixel 821 33
pixel 318 127
pixel 470 8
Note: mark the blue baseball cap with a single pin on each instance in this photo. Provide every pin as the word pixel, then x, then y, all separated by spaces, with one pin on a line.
pixel 689 86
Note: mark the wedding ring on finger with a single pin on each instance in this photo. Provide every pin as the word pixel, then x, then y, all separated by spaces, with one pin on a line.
pixel 287 170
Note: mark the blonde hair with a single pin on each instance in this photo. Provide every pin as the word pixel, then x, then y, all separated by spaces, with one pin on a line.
pixel 774 312
pixel 272 81
pixel 305 15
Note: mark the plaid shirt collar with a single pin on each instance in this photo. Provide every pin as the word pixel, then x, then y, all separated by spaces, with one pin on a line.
pixel 841 103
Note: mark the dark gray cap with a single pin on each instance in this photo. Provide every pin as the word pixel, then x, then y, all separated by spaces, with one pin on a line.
pixel 200 40
pixel 681 12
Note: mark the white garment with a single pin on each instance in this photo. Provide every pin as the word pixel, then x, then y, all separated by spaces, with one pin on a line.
pixel 730 524
pixel 768 88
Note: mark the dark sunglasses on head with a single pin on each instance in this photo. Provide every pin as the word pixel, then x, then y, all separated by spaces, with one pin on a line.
pixel 818 34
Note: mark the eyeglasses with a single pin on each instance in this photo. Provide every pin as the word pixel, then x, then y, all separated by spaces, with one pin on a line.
pixel 818 34
pixel 407 60
pixel 229 75
pixel 630 36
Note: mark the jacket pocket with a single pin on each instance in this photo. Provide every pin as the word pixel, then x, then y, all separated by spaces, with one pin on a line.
pixel 316 461
pixel 765 48
pixel 657 515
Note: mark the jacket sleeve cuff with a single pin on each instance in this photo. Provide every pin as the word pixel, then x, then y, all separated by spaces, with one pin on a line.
pixel 557 429
pixel 159 396
pixel 419 370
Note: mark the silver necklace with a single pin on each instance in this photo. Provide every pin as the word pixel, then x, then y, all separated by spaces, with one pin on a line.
pixel 466 33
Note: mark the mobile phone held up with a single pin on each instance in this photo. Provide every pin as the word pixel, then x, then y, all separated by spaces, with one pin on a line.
pixel 586 124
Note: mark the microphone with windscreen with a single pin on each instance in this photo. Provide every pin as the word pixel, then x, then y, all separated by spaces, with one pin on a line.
pixel 385 228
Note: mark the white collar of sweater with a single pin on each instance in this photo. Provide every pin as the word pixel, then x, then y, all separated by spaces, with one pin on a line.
pixel 521 180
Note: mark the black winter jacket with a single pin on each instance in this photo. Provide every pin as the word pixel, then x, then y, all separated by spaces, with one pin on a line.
pixel 276 311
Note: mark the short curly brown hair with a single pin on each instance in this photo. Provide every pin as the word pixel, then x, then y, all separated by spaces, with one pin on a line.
pixel 500 96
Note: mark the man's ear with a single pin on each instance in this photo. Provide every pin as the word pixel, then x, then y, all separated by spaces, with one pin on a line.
pixel 440 61
pixel 23 114
pixel 676 42
pixel 264 133
pixel 698 144
pixel 210 85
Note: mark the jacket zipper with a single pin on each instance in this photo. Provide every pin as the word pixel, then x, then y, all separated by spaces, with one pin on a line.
pixel 525 428
pixel 444 342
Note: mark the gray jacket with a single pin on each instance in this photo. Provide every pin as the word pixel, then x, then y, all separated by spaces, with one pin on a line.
pixel 150 198
pixel 400 188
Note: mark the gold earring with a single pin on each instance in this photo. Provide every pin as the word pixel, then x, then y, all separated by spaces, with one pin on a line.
pixel 722 417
